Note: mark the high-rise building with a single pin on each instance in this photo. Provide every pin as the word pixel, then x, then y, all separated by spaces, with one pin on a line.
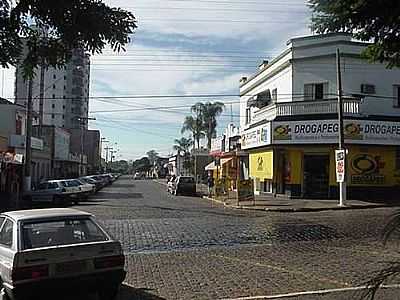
pixel 66 92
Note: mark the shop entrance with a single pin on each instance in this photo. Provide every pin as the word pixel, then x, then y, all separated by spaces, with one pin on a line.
pixel 316 176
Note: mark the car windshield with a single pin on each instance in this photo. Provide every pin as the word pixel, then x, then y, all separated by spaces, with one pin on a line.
pixel 60 232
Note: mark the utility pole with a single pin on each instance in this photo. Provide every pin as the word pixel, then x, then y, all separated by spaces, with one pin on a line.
pixel 342 183
pixel 102 140
pixel 28 141
pixel 82 124
pixel 41 97
pixel 107 148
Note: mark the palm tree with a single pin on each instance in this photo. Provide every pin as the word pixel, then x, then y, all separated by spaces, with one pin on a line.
pixel 182 145
pixel 194 125
pixel 208 113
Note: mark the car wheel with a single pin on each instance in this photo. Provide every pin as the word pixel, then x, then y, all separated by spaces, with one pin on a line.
pixel 108 293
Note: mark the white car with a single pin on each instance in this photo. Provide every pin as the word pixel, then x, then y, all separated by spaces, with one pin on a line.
pixel 52 252
pixel 57 192
pixel 87 189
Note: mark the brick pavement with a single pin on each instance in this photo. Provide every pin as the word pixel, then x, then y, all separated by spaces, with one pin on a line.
pixel 184 248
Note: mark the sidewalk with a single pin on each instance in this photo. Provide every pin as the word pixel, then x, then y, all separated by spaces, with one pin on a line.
pixel 277 204
pixel 269 203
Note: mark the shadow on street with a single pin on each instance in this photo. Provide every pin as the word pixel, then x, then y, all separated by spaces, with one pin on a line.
pixel 126 293
pixel 117 195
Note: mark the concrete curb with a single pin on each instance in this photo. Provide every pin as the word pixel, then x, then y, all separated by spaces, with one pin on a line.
pixel 296 209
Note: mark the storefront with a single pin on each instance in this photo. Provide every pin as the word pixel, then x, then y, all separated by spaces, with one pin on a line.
pixel 305 155
pixel 298 160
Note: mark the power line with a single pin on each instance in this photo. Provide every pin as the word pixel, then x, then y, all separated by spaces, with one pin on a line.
pixel 225 21
pixel 219 9
pixel 241 2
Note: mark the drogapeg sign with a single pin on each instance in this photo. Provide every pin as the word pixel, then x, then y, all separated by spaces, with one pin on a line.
pixel 340 161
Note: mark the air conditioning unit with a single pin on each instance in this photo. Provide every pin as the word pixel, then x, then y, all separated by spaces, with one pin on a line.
pixel 368 89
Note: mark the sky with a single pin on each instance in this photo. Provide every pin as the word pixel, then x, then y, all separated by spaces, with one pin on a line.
pixel 181 48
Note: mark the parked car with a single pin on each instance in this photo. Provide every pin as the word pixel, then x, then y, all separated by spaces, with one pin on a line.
pixel 56 191
pixel 51 252
pixel 48 191
pixel 73 189
pixel 90 180
pixel 99 179
pixel 87 189
pixel 184 185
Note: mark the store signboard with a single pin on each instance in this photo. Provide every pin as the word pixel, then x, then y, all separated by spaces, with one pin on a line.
pixel 217 145
pixel 257 136
pixel 327 132
pixel 340 167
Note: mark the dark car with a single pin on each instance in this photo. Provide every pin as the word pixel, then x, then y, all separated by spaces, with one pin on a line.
pixel 184 185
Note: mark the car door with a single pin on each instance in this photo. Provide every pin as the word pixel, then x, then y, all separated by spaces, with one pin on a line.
pixel 42 193
pixel 7 247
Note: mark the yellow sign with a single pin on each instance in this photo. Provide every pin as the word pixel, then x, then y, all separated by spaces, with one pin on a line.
pixel 261 164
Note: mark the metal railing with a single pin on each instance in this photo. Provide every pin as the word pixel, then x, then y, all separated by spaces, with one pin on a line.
pixel 329 106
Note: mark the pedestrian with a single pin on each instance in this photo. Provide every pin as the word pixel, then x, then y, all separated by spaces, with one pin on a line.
pixel 210 184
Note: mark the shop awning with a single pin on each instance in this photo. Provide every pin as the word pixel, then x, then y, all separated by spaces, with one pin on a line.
pixel 210 167
pixel 225 160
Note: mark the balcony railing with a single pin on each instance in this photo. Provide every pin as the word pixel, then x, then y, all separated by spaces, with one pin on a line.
pixel 329 106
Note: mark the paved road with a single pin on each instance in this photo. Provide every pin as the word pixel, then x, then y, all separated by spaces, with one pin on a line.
pixel 189 248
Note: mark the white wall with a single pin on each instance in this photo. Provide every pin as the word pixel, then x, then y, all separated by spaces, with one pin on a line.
pixel 282 81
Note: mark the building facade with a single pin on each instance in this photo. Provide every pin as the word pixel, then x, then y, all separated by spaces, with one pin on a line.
pixel 66 92
pixel 289 121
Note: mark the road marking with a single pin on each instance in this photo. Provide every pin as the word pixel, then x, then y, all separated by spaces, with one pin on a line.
pixel 281 269
pixel 316 292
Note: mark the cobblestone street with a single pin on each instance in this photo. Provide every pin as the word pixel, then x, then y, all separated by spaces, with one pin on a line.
pixel 190 248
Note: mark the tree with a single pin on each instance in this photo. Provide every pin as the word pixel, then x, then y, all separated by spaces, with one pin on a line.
pixel 376 21
pixel 141 165
pixel 195 126
pixel 208 113
pixel 68 25
pixel 182 145
pixel 153 156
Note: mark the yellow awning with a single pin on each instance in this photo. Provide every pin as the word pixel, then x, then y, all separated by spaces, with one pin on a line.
pixel 210 167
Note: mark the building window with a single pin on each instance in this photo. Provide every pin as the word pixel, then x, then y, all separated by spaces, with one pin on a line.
pixel 63 117
pixel 65 87
pixel 315 91
pixel 63 96
pixel 63 106
pixel 396 95
pixel 54 76
pixel 248 115
pixel 368 89
pixel 53 106
pixel 54 86
pixel 274 95
pixel 65 77
pixel 54 96
pixel 52 116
